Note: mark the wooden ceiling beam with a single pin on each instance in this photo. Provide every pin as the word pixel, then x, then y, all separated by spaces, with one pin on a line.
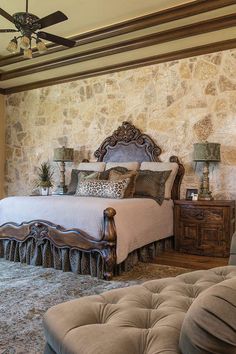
pixel 174 13
pixel 176 55
pixel 194 29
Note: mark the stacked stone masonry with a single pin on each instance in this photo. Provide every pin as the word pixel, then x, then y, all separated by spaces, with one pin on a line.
pixel 177 103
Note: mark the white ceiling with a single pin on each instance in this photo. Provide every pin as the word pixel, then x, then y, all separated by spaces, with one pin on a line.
pixel 88 15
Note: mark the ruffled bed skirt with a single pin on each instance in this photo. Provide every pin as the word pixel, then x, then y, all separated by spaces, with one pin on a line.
pixel 49 256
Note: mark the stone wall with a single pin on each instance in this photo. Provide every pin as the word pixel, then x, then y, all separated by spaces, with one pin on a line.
pixel 2 144
pixel 177 103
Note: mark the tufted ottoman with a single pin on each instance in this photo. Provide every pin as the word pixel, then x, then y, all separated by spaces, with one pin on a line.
pixel 140 319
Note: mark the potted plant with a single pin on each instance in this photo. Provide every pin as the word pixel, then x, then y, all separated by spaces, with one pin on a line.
pixel 44 180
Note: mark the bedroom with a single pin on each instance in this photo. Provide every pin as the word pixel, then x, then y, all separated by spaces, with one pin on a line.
pixel 178 102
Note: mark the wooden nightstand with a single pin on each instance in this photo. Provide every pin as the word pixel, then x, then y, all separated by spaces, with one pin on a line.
pixel 204 227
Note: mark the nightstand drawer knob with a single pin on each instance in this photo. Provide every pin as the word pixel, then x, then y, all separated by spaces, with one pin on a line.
pixel 200 215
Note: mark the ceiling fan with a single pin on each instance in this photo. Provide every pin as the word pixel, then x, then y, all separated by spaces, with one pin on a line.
pixel 29 27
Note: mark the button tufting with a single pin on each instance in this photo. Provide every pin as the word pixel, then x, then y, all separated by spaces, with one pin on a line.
pixel 146 318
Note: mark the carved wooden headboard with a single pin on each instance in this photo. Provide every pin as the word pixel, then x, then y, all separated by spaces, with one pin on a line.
pixel 127 143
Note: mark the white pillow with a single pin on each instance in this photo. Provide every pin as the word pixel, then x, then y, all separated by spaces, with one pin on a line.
pixel 163 166
pixel 134 165
pixel 92 166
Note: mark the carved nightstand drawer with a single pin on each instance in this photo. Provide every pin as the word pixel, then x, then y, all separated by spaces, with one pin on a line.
pixel 200 214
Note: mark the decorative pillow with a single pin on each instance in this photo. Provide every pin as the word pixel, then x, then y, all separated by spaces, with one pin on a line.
pixel 102 188
pixel 134 165
pixel 163 166
pixel 210 323
pixel 92 166
pixel 151 184
pixel 76 176
pixel 105 174
pixel 115 175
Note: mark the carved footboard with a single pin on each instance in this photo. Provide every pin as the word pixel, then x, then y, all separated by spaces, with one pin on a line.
pixel 40 242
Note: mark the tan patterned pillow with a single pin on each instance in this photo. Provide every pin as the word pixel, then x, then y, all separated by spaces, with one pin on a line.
pixel 116 175
pixel 85 176
pixel 77 175
pixel 102 188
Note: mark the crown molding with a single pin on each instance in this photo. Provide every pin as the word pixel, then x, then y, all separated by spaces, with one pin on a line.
pixel 175 13
pixel 194 29
pixel 176 55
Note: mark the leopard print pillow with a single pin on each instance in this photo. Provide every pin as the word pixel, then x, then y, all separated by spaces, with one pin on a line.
pixel 103 188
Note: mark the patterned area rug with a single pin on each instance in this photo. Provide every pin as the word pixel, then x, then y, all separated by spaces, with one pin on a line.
pixel 26 292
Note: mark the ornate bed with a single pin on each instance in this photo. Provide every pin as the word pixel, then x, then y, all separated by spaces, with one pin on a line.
pixel 40 242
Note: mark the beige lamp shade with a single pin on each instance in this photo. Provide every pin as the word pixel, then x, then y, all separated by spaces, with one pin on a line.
pixel 207 152
pixel 63 154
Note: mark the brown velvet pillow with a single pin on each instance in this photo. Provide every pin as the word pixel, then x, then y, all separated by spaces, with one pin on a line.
pixel 151 184
pixel 132 175
pixel 74 179
pixel 105 174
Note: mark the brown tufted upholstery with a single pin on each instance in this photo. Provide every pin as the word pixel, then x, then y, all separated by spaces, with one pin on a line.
pixel 140 319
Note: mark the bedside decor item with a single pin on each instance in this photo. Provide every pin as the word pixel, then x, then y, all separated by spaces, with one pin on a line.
pixel 206 152
pixel 63 155
pixel 190 193
pixel 44 180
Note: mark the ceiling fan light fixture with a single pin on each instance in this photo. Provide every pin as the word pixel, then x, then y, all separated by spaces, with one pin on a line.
pixel 41 46
pixel 29 27
pixel 28 53
pixel 12 46
pixel 25 42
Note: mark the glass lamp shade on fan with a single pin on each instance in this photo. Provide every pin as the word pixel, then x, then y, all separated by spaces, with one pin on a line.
pixel 206 152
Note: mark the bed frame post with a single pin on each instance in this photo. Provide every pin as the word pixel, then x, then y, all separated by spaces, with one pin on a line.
pixel 110 236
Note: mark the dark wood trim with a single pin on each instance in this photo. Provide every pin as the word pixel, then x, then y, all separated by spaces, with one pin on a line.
pixel 124 46
pixel 176 55
pixel 75 239
pixel 153 19
pixel 175 192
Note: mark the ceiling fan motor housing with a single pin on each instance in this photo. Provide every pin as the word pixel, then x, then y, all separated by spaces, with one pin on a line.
pixel 26 23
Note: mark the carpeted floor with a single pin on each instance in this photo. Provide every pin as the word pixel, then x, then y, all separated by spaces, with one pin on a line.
pixel 26 292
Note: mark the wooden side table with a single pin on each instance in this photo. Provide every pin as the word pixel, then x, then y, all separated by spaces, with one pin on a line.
pixel 204 227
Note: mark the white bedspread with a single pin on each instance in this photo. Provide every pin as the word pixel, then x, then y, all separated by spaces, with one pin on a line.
pixel 138 221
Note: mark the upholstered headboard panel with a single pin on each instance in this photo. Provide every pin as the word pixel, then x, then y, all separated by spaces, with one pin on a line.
pixel 127 143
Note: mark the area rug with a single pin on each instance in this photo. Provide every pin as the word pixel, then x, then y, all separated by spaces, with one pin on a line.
pixel 26 292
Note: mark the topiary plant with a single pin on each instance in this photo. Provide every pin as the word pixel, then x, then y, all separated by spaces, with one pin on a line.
pixel 45 176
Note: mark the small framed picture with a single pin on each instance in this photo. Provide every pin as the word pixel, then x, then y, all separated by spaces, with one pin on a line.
pixel 191 194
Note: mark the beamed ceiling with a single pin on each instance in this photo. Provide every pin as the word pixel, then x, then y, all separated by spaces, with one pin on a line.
pixel 114 35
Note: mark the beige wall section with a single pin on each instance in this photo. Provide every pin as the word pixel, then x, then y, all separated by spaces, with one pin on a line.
pixel 2 144
pixel 177 103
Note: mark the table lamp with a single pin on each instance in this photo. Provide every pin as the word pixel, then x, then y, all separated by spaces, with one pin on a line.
pixel 63 155
pixel 206 152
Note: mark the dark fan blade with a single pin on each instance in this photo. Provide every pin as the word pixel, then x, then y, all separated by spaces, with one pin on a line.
pixel 56 39
pixel 52 19
pixel 6 15
pixel 7 30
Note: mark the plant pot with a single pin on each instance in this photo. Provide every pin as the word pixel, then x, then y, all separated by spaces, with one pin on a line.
pixel 44 190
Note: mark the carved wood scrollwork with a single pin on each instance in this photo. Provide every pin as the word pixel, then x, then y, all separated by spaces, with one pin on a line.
pixel 75 239
pixel 128 133
pixel 175 193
